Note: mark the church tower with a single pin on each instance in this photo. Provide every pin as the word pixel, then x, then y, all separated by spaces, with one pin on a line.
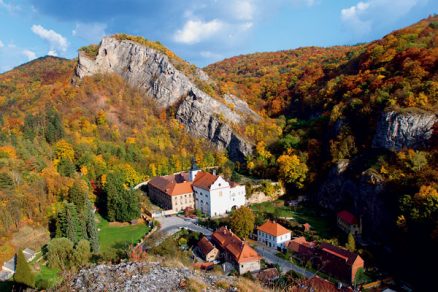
pixel 194 169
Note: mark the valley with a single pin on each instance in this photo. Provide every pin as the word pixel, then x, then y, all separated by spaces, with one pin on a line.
pixel 342 142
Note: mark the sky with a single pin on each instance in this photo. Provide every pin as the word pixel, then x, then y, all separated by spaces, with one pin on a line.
pixel 200 31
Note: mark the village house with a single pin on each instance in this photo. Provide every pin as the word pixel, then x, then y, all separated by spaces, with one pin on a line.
pixel 236 251
pixel 207 250
pixel 171 192
pixel 209 193
pixel 273 234
pixel 301 249
pixel 348 223
pixel 339 262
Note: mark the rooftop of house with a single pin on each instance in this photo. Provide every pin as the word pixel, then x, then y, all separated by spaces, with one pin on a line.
pixel 10 264
pixel 347 217
pixel 268 275
pixel 339 252
pixel 205 246
pixel 173 185
pixel 240 250
pixel 204 180
pixel 29 254
pixel 273 228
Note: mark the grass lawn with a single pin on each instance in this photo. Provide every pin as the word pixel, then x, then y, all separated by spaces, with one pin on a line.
pixel 47 277
pixel 119 237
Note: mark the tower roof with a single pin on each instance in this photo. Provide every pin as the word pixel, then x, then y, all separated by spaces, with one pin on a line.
pixel 194 165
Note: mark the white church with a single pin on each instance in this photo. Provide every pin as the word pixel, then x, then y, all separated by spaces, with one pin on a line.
pixel 209 193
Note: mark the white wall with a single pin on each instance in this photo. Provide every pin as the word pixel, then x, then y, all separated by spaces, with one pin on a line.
pixel 273 240
pixel 220 199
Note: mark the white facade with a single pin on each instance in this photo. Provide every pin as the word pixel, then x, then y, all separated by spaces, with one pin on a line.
pixel 273 241
pixel 220 198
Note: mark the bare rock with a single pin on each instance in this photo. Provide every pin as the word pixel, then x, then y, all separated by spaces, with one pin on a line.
pixel 410 129
pixel 152 72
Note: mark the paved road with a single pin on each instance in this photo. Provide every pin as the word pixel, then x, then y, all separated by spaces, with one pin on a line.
pixel 269 255
pixel 171 225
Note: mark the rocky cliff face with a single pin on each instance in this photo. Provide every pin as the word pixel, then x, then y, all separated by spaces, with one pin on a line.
pixel 362 194
pixel 145 276
pixel 411 129
pixel 153 72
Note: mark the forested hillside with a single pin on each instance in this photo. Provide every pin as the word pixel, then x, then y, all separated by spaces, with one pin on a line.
pixel 331 105
pixel 54 133
pixel 320 110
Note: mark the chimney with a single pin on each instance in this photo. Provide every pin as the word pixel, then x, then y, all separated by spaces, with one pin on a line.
pixel 214 171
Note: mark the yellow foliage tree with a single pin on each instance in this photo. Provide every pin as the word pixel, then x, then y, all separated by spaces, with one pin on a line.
pixel 64 150
pixel 292 169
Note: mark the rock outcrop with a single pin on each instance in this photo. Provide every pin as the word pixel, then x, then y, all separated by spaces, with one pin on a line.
pixel 152 72
pixel 361 193
pixel 410 129
pixel 144 276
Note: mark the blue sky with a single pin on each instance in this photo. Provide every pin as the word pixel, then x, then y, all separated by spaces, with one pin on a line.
pixel 200 31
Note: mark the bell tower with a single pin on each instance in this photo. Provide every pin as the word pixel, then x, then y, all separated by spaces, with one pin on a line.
pixel 194 169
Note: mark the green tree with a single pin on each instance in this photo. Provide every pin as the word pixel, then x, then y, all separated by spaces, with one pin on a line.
pixel 60 253
pixel 55 128
pixel 82 253
pixel 122 204
pixel 68 224
pixel 66 167
pixel 351 243
pixel 242 221
pixel 78 194
pixel 23 274
pixel 93 236
pixel 360 277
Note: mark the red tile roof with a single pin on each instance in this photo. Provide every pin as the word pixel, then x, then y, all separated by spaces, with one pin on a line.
pixel 205 246
pixel 204 180
pixel 173 185
pixel 339 252
pixel 240 250
pixel 273 228
pixel 347 217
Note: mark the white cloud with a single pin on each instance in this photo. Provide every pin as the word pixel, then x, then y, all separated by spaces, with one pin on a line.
pixel 352 16
pixel 29 54
pixel 244 9
pixel 195 31
pixel 56 41
pixel 1 44
pixel 90 31
pixel 366 15
pixel 9 7
pixel 52 53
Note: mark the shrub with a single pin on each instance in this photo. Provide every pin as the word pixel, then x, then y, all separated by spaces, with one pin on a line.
pixel 23 274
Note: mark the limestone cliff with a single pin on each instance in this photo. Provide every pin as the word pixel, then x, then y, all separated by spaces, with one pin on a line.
pixel 410 129
pixel 153 72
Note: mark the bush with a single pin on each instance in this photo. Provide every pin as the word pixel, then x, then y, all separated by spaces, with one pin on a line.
pixel 23 274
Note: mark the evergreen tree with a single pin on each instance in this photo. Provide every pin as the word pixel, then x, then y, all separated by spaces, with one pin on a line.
pixel 92 233
pixel 23 274
pixel 55 128
pixel 68 224
pixel 122 204
pixel 78 194
pixel 351 243
pixel 66 167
